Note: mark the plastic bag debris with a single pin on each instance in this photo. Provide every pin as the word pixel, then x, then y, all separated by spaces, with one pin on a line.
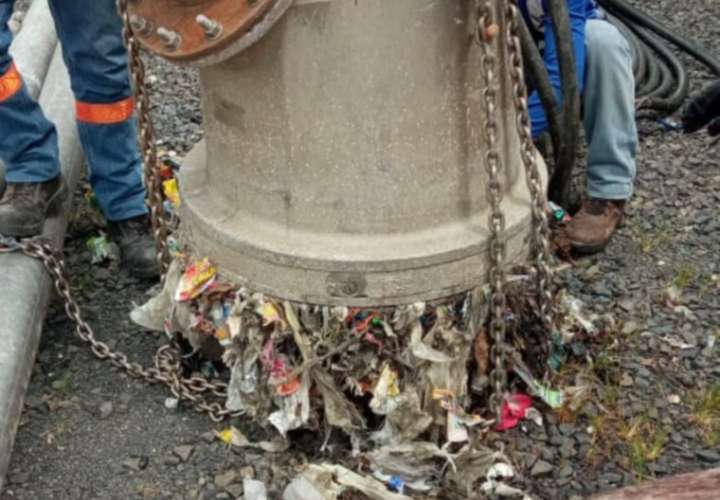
pixel 494 487
pixel 386 392
pixel 100 249
pixel 514 409
pixel 294 410
pixel 339 412
pixel 458 421
pixel 328 482
pixel 233 437
pixel 153 314
pixel 197 278
pixel 170 190
pixel 254 490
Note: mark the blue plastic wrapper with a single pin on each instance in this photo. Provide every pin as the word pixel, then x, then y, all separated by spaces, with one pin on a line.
pixel 396 484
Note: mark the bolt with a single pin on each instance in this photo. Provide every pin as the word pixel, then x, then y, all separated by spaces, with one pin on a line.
pixel 172 40
pixel 211 28
pixel 140 25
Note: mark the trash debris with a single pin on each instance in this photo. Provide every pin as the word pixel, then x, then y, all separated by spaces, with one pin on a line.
pixel 233 437
pixel 677 343
pixel 197 278
pixel 100 249
pixel 170 190
pixel 514 409
pixel 254 490
pixel 558 213
pixel 329 482
pixel 153 314
pixel 392 379
pixel 673 399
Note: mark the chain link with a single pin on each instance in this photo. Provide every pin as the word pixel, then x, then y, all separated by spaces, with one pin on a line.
pixel 541 230
pixel 487 32
pixel 146 137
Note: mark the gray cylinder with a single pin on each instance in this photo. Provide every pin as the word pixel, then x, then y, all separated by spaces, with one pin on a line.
pixel 34 46
pixel 343 161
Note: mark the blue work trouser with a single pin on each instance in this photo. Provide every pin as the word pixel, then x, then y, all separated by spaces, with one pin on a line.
pixel 609 112
pixel 90 34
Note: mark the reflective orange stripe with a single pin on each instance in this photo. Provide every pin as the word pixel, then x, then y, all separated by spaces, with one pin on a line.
pixel 10 83
pixel 104 114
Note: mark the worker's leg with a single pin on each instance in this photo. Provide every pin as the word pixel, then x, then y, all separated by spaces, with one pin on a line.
pixel 609 102
pixel 28 148
pixel 90 32
pixel 91 36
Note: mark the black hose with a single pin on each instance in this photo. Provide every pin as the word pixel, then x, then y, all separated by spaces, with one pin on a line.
pixel 653 77
pixel 541 80
pixel 638 17
pixel 667 82
pixel 560 180
pixel 673 101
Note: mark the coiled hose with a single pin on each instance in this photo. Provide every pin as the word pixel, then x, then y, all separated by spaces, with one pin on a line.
pixel 664 85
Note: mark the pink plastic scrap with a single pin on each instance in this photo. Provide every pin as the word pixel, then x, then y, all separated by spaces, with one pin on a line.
pixel 514 409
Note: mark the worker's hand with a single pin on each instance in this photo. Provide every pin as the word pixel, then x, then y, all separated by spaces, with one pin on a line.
pixel 703 109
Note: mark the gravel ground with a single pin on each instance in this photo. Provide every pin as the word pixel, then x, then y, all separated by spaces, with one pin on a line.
pixel 89 431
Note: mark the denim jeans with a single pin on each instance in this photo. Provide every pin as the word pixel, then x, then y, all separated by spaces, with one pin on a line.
pixel 609 112
pixel 90 35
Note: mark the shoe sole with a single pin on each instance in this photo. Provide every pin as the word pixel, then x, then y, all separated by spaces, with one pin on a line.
pixel 587 249
pixel 54 206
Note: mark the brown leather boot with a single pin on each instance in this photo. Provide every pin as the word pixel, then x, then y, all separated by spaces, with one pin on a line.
pixel 591 228
pixel 25 205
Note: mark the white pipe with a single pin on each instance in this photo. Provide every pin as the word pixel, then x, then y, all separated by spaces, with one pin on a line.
pixel 34 46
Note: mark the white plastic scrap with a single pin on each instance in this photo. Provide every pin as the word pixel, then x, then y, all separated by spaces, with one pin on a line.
pixel 327 482
pixel 154 312
pixel 494 486
pixel 294 410
pixel 254 490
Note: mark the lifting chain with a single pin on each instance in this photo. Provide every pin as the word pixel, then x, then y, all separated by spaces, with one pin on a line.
pixel 488 30
pixel 540 230
pixel 146 139
pixel 487 34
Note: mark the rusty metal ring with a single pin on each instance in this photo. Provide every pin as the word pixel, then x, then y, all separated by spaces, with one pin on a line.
pixel 202 32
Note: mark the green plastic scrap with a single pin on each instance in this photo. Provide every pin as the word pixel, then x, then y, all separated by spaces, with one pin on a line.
pixel 99 248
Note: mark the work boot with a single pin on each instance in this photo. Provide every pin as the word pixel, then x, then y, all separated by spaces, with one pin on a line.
pixel 591 228
pixel 137 246
pixel 24 206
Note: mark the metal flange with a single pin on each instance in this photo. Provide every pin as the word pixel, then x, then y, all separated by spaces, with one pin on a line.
pixel 202 32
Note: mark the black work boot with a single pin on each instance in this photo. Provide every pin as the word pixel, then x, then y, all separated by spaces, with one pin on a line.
pixel 24 206
pixel 137 246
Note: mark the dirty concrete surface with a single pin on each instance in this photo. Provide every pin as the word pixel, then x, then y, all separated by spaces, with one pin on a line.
pixel 90 432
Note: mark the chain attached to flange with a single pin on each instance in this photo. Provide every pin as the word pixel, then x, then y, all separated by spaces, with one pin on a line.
pixel 487 36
